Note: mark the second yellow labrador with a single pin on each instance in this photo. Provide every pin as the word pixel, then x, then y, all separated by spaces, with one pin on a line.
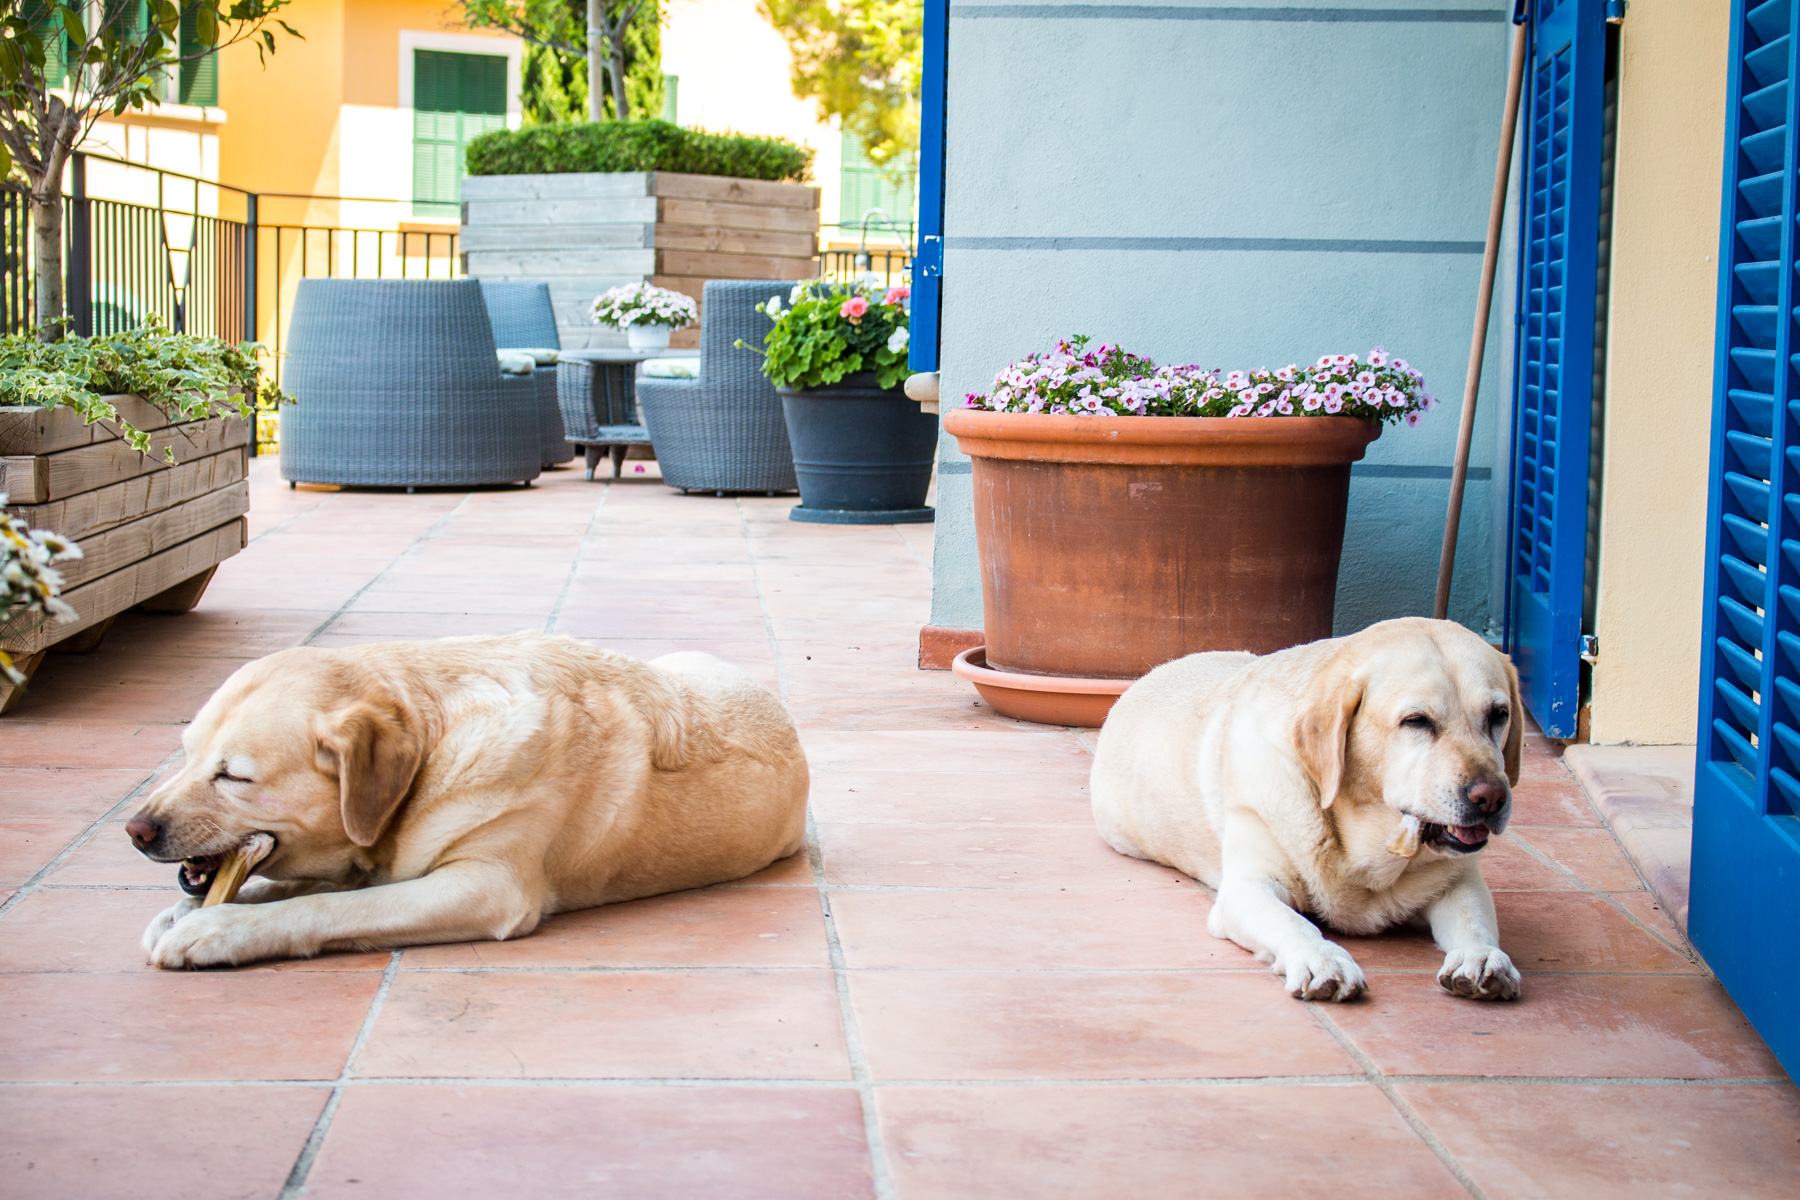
pixel 1353 779
pixel 462 789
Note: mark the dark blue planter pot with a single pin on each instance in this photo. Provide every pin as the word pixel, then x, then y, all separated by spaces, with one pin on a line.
pixel 862 454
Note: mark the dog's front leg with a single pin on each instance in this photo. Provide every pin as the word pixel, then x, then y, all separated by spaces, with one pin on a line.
pixel 1255 909
pixel 1464 927
pixel 464 901
pixel 256 890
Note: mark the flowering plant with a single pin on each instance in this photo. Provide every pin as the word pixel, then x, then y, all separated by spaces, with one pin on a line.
pixel 644 304
pixel 832 330
pixel 28 583
pixel 1107 381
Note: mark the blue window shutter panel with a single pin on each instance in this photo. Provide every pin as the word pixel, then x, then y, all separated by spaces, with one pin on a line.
pixel 1554 378
pixel 1744 905
pixel 928 262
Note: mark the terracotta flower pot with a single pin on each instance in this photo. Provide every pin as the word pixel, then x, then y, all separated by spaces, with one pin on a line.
pixel 1110 545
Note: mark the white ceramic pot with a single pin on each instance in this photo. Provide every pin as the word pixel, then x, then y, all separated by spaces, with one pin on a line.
pixel 647 337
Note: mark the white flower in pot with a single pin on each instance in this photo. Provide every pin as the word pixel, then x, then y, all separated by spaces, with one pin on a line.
pixel 648 314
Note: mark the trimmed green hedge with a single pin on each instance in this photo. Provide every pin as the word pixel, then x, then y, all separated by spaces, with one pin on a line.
pixel 636 146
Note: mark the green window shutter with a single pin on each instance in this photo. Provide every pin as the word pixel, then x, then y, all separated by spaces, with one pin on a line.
pixel 50 32
pixel 864 186
pixel 200 76
pixel 456 97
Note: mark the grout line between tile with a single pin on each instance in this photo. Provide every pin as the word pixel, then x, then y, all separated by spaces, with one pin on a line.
pixel 1609 899
pixel 392 563
pixel 581 549
pixel 1373 1075
pixel 296 1179
pixel 85 836
pixel 762 606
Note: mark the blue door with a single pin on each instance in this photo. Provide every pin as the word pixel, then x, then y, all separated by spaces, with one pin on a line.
pixel 1554 367
pixel 1744 912
pixel 928 260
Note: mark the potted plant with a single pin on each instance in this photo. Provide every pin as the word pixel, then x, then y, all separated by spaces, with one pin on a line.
pixel 30 586
pixel 863 451
pixel 648 314
pixel 134 444
pixel 1128 514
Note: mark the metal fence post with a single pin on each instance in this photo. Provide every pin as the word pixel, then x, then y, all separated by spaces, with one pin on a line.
pixel 78 265
pixel 250 242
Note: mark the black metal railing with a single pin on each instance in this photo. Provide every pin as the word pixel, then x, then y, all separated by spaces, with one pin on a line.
pixel 883 247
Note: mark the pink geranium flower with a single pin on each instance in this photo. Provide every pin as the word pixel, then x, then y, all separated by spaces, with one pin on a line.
pixel 853 309
pixel 896 295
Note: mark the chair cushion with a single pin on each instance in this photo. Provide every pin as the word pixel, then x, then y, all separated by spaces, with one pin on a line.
pixel 671 368
pixel 542 356
pixel 515 362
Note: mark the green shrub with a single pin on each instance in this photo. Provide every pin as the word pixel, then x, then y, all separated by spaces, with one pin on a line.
pixel 637 146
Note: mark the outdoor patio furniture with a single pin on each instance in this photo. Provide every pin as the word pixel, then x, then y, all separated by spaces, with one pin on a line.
pixel 523 320
pixel 723 432
pixel 397 386
pixel 597 393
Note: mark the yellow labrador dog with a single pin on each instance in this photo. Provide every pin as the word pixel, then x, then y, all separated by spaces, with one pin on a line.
pixel 464 789
pixel 1354 779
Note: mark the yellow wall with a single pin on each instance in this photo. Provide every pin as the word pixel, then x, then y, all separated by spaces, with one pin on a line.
pixel 1665 278
pixel 282 115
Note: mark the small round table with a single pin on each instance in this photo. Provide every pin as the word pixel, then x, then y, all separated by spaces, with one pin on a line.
pixel 597 392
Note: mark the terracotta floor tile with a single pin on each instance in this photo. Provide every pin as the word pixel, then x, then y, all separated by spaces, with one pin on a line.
pixel 143 670
pixel 1618 1142
pixel 120 1143
pixel 37 793
pixel 974 753
pixel 109 859
pixel 1645 908
pixel 176 1026
pixel 637 1143
pixel 1592 854
pixel 86 744
pixel 1075 1025
pixel 715 927
pixel 85 929
pixel 982 855
pixel 50 699
pixel 26 846
pixel 1617 1026
pixel 1296 1143
pixel 1508 866
pixel 899 713
pixel 1553 800
pixel 609 1024
pixel 1055 930
pixel 397 626
pixel 1039 798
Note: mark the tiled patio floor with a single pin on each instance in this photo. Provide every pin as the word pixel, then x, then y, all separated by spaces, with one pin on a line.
pixel 958 992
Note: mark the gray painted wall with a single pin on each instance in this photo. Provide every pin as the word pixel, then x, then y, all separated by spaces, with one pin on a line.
pixel 1244 186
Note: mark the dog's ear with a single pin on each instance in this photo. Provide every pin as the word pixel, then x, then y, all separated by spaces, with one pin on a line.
pixel 1323 733
pixel 375 752
pixel 1515 729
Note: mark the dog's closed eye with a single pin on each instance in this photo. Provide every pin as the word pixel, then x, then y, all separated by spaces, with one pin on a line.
pixel 228 777
pixel 1420 722
pixel 1498 716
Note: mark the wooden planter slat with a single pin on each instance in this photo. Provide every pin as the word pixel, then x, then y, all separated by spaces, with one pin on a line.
pixel 82 516
pixel 47 430
pixel 112 594
pixel 41 478
pixel 122 545
pixel 672 212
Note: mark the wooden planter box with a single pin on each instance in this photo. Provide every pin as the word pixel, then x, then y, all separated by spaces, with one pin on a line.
pixel 582 234
pixel 151 534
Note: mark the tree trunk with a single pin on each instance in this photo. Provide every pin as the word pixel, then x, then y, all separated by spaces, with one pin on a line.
pixel 621 105
pixel 47 265
pixel 596 48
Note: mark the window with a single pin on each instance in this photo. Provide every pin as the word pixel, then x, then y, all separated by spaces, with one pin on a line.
pixel 456 97
pixel 199 82
pixel 865 186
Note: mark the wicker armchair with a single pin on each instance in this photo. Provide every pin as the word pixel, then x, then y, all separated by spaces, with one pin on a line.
pixel 723 432
pixel 397 386
pixel 522 318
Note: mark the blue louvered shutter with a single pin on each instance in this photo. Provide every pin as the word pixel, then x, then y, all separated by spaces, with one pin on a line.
pixel 1554 376
pixel 928 258
pixel 1744 913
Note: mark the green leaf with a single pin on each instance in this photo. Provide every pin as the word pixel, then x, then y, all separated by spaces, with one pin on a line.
pixel 5 161
pixel 73 26
pixel 206 25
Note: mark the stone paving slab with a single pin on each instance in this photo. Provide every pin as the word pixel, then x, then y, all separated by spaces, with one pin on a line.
pixel 956 991
pixel 1646 794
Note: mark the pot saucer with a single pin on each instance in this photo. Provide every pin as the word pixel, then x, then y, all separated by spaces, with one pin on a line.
pixel 861 516
pixel 1045 699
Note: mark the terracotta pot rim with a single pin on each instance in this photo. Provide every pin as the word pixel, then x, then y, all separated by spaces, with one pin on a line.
pixel 1214 441
pixel 971 665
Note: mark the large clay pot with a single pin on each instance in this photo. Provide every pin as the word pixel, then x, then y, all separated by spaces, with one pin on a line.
pixel 863 454
pixel 1110 545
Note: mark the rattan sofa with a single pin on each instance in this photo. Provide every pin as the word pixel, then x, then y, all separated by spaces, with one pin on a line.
pixel 723 432
pixel 523 319
pixel 397 386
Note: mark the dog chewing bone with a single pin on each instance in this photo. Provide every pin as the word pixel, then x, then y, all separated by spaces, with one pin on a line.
pixel 236 868
pixel 1405 841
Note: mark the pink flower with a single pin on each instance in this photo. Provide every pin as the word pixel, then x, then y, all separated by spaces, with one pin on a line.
pixel 1377 356
pixel 853 309
pixel 896 295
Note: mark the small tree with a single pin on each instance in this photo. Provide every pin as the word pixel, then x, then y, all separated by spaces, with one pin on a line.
pixel 617 38
pixel 66 63
pixel 865 61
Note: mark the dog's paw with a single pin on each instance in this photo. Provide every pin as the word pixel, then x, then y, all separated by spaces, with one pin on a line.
pixel 1325 973
pixel 160 924
pixel 1479 973
pixel 212 937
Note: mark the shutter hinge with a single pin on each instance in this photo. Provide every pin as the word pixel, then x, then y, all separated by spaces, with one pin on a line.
pixel 928 263
pixel 1615 12
pixel 1590 648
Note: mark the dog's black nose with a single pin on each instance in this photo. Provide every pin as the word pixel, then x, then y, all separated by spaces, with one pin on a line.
pixel 143 830
pixel 1488 795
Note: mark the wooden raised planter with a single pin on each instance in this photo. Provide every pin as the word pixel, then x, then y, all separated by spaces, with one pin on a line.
pixel 584 233
pixel 151 534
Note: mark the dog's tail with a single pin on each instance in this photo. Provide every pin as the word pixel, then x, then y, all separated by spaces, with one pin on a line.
pixel 664 707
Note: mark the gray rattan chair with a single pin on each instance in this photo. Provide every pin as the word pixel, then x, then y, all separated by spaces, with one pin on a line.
pixel 723 432
pixel 397 386
pixel 523 319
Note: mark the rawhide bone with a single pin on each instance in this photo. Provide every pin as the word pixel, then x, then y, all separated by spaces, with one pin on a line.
pixel 1405 841
pixel 236 868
